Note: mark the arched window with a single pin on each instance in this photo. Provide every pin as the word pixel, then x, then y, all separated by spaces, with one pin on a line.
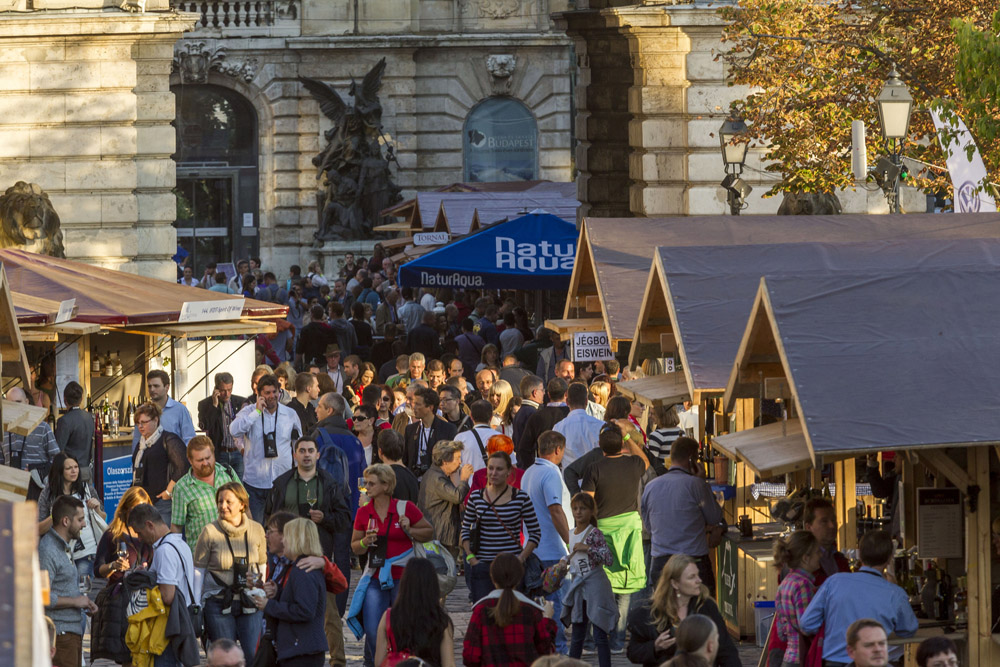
pixel 500 142
pixel 217 207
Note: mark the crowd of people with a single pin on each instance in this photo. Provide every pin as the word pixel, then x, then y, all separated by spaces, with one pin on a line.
pixel 580 521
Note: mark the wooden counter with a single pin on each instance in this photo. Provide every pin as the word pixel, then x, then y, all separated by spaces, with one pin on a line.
pixel 746 574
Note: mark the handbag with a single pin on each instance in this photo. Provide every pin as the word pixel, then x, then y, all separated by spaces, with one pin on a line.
pixel 553 576
pixel 98 525
pixel 437 554
pixel 394 656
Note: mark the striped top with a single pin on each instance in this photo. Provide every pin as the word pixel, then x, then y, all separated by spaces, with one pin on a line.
pixel 500 525
pixel 662 439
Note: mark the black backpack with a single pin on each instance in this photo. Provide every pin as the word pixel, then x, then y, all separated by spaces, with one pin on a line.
pixel 109 623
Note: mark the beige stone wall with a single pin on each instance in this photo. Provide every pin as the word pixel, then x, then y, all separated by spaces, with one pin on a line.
pixel 436 72
pixel 652 68
pixel 85 112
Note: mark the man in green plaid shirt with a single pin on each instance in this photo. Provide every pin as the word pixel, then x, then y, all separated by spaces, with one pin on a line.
pixel 193 496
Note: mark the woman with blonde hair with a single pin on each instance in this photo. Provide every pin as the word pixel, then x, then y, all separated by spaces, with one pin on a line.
pixel 600 392
pixel 500 396
pixel 383 529
pixel 679 593
pixel 298 607
pixel 231 554
pixel 109 563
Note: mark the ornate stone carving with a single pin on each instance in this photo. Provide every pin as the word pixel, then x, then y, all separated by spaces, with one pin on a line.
pixel 501 68
pixel 194 60
pixel 29 221
pixel 286 10
pixel 492 9
pixel 357 184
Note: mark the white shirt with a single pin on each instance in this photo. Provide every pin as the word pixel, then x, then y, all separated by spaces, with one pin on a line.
pixel 471 453
pixel 250 424
pixel 427 302
pixel 582 433
pixel 689 420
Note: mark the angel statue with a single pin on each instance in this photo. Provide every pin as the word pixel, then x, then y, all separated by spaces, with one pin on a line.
pixel 357 185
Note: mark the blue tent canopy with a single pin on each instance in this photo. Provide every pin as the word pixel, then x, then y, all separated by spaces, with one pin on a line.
pixel 533 252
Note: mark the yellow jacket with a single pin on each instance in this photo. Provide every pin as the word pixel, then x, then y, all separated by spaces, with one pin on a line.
pixel 146 636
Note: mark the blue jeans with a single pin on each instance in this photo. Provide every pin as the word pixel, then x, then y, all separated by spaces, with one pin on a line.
pixel 600 640
pixel 617 638
pixel 258 497
pixel 246 627
pixel 342 559
pixel 165 508
pixel 477 578
pixel 231 458
pixel 556 599
pixel 376 603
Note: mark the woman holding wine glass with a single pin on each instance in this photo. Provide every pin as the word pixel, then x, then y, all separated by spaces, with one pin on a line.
pixel 230 554
pixel 382 529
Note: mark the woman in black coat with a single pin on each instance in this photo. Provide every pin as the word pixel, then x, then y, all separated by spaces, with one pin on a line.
pixel 678 594
pixel 299 606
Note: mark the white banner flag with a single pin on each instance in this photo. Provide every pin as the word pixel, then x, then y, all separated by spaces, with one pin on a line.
pixel 966 175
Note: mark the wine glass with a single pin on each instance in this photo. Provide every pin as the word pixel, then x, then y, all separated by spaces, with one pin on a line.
pixel 85 584
pixel 362 485
pixel 372 531
pixel 311 498
pixel 254 580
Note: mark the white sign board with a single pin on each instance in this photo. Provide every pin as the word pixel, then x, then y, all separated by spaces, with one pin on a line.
pixel 65 310
pixel 211 311
pixel 430 238
pixel 668 365
pixel 248 219
pixel 939 523
pixel 591 346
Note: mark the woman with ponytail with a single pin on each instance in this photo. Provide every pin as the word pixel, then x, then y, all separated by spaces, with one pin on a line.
pixel 697 642
pixel 508 628
pixel 800 553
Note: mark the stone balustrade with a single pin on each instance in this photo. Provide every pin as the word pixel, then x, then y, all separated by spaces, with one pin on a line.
pixel 243 18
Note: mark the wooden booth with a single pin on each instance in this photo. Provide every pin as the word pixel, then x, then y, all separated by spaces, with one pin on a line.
pixel 866 356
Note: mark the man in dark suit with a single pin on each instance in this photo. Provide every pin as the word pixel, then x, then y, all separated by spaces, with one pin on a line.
pixel 75 431
pixel 543 420
pixel 423 434
pixel 215 413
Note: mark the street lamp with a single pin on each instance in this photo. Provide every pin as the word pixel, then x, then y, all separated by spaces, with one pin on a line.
pixel 734 141
pixel 894 107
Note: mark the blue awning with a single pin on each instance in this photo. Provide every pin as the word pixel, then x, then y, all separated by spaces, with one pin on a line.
pixel 533 252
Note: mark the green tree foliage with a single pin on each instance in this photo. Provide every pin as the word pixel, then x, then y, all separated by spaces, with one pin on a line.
pixel 814 66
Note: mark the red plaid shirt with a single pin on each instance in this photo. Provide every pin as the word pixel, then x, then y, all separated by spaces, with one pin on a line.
pixel 794 595
pixel 520 643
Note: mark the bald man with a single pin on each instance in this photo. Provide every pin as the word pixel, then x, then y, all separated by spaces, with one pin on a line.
pixel 33 452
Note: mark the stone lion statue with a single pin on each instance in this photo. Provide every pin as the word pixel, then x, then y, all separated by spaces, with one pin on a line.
pixel 29 221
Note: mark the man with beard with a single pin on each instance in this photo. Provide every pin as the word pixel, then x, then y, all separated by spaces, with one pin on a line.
pixel 66 605
pixel 194 505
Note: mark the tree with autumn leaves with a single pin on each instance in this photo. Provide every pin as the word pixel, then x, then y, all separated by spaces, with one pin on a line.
pixel 812 67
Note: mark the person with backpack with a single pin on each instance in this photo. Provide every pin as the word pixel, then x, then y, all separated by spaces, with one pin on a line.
pixel 385 530
pixel 417 624
pixel 313 493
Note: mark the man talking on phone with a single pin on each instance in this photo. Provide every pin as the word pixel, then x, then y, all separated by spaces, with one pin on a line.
pixel 268 429
pixel 215 415
pixel 678 509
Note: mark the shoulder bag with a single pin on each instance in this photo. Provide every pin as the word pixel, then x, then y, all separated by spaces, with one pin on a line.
pixel 394 655
pixel 195 612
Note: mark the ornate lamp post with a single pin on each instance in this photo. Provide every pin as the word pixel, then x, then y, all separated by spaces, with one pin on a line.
pixel 734 141
pixel 895 104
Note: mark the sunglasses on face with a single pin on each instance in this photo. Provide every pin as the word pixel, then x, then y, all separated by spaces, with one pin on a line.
pixel 360 418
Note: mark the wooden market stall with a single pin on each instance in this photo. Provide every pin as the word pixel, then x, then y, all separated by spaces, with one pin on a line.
pixel 866 355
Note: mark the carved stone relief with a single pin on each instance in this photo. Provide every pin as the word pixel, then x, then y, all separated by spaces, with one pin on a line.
pixel 491 9
pixel 501 68
pixel 194 60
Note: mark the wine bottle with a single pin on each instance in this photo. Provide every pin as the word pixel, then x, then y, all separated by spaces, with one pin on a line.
pixel 118 364
pixel 95 363
pixel 109 368
pixel 130 416
pixel 90 405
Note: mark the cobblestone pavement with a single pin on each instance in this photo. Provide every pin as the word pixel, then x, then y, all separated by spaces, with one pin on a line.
pixel 460 611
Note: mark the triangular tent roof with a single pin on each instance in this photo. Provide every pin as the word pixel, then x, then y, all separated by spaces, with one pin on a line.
pixel 869 356
pixel 534 251
pixel 615 254
pixel 109 297
pixel 707 292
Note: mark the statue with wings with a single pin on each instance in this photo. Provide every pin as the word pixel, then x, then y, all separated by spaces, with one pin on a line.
pixel 357 184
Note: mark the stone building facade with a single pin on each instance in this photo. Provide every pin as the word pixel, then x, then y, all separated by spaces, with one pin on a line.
pixel 247 130
pixel 86 112
pixel 650 101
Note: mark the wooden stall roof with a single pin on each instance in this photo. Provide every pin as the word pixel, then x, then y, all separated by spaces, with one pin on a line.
pixel 14 360
pixel 614 255
pixel 667 388
pixel 707 291
pixel 112 298
pixel 865 363
pixel 774 449
pixel 566 328
pixel 205 329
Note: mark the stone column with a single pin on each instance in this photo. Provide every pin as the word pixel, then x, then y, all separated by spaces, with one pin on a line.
pixel 85 112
